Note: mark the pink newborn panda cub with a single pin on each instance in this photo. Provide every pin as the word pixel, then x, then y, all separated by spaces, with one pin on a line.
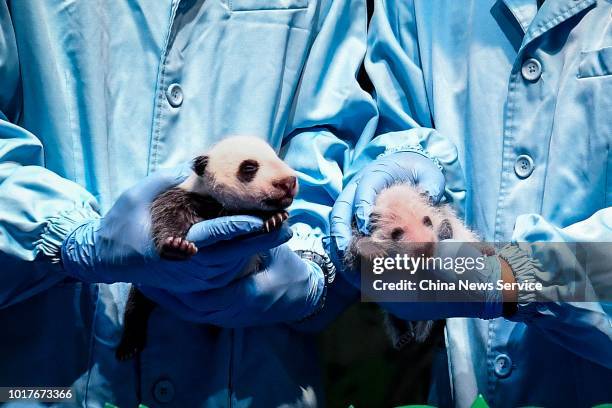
pixel 404 221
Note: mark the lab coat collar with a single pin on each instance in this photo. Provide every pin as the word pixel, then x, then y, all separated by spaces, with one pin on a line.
pixel 536 22
pixel 523 11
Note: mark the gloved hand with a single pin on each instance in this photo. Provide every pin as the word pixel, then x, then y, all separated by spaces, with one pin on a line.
pixel 399 167
pixel 358 197
pixel 356 202
pixel 483 299
pixel 285 289
pixel 119 247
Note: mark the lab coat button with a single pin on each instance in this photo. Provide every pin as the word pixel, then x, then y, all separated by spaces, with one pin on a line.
pixel 531 70
pixel 502 365
pixel 163 391
pixel 523 167
pixel 174 93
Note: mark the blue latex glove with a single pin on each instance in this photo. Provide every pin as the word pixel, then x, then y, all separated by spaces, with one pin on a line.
pixel 442 304
pixel 356 201
pixel 286 289
pixel 400 167
pixel 119 247
pixel 358 197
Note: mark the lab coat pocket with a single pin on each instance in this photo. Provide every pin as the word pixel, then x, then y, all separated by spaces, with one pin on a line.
pixel 595 63
pixel 263 5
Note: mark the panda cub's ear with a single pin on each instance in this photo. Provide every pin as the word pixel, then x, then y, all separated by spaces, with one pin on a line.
pixel 199 165
pixel 445 230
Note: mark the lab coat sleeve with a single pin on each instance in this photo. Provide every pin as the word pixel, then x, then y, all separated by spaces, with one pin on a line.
pixel 331 116
pixel 553 256
pixel 393 63
pixel 37 207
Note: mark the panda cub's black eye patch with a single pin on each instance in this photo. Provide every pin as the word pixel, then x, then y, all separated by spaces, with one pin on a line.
pixel 397 234
pixel 247 170
pixel 427 221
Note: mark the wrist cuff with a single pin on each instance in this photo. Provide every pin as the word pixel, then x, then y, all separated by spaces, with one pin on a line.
pixel 414 149
pixel 59 227
pixel 493 301
pixel 524 268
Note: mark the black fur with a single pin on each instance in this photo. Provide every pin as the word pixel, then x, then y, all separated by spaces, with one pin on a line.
pixel 403 332
pixel 175 211
pixel 400 332
pixel 172 214
pixel 445 230
pixel 135 321
pixel 397 234
pixel 199 165
pixel 247 170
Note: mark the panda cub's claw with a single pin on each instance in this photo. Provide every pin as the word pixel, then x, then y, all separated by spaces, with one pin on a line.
pixel 275 221
pixel 177 248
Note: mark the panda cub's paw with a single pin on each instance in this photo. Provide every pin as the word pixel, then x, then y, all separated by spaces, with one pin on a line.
pixel 275 221
pixel 177 248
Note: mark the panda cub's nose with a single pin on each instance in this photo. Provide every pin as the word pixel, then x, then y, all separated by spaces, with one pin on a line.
pixel 286 184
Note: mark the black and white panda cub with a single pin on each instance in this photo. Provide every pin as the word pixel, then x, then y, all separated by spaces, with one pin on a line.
pixel 404 221
pixel 238 175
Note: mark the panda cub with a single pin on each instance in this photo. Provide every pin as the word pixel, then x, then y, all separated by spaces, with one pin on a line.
pixel 238 175
pixel 404 221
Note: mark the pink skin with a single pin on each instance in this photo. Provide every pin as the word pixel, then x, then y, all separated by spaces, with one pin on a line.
pixel 403 206
pixel 404 216
pixel 404 220
pixel 180 245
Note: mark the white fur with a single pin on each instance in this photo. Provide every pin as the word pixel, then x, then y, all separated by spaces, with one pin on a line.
pixel 405 206
pixel 220 179
pixel 221 182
